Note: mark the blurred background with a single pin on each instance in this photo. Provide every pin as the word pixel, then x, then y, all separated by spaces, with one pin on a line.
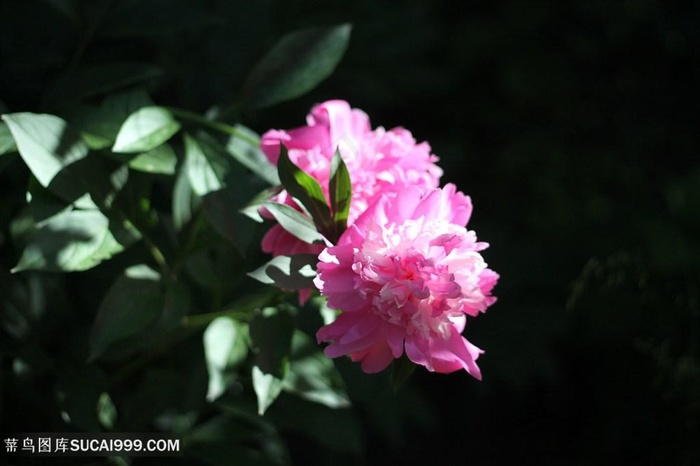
pixel 574 128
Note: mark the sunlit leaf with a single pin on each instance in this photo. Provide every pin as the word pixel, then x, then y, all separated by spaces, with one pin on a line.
pixel 288 272
pixel 294 222
pixel 184 200
pixel 267 388
pixel 340 190
pixel 45 143
pixel 295 65
pixel 225 345
pixel 206 167
pixel 99 126
pixel 161 160
pixel 145 129
pixel 74 240
pixel 106 411
pixel 306 189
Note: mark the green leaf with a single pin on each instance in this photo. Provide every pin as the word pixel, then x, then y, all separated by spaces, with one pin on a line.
pixel 245 148
pixel 271 332
pixel 288 272
pixel 134 301
pixel 224 186
pixel 100 177
pixel 251 210
pixel 225 346
pixel 106 411
pixel 313 376
pixel 206 168
pixel 91 81
pixel 340 190
pixel 145 129
pixel 74 240
pixel 295 65
pixel 401 370
pixel 80 386
pixel 307 190
pixel 294 222
pixel 7 142
pixel 184 200
pixel 235 434
pixel 339 429
pixel 100 126
pixel 161 160
pixel 45 143
pixel 271 336
pixel 267 388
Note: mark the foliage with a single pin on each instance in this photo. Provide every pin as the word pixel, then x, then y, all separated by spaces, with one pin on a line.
pixel 159 328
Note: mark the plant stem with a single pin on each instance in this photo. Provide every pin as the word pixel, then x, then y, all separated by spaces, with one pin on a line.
pixel 213 124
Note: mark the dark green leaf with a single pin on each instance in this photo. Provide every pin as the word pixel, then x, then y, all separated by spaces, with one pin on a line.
pixel 45 143
pixel 132 303
pixel 401 370
pixel 99 79
pixel 271 332
pixel 156 18
pixel 245 148
pixel 81 387
pixel 7 142
pixel 162 160
pixel 288 272
pixel 307 190
pixel 68 8
pixel 313 376
pixel 339 429
pixel 294 222
pixel 145 129
pixel 271 336
pixel 235 434
pixel 75 240
pixel 340 190
pixel 295 65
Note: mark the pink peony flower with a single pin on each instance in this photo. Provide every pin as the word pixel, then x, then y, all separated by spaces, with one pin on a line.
pixel 405 275
pixel 379 162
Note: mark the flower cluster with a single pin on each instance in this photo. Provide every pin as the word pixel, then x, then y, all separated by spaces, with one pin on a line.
pixel 379 162
pixel 406 272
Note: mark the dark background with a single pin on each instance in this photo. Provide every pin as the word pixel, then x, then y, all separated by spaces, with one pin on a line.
pixel 572 125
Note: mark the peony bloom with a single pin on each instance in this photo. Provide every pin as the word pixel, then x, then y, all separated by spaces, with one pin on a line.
pixel 379 162
pixel 405 275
